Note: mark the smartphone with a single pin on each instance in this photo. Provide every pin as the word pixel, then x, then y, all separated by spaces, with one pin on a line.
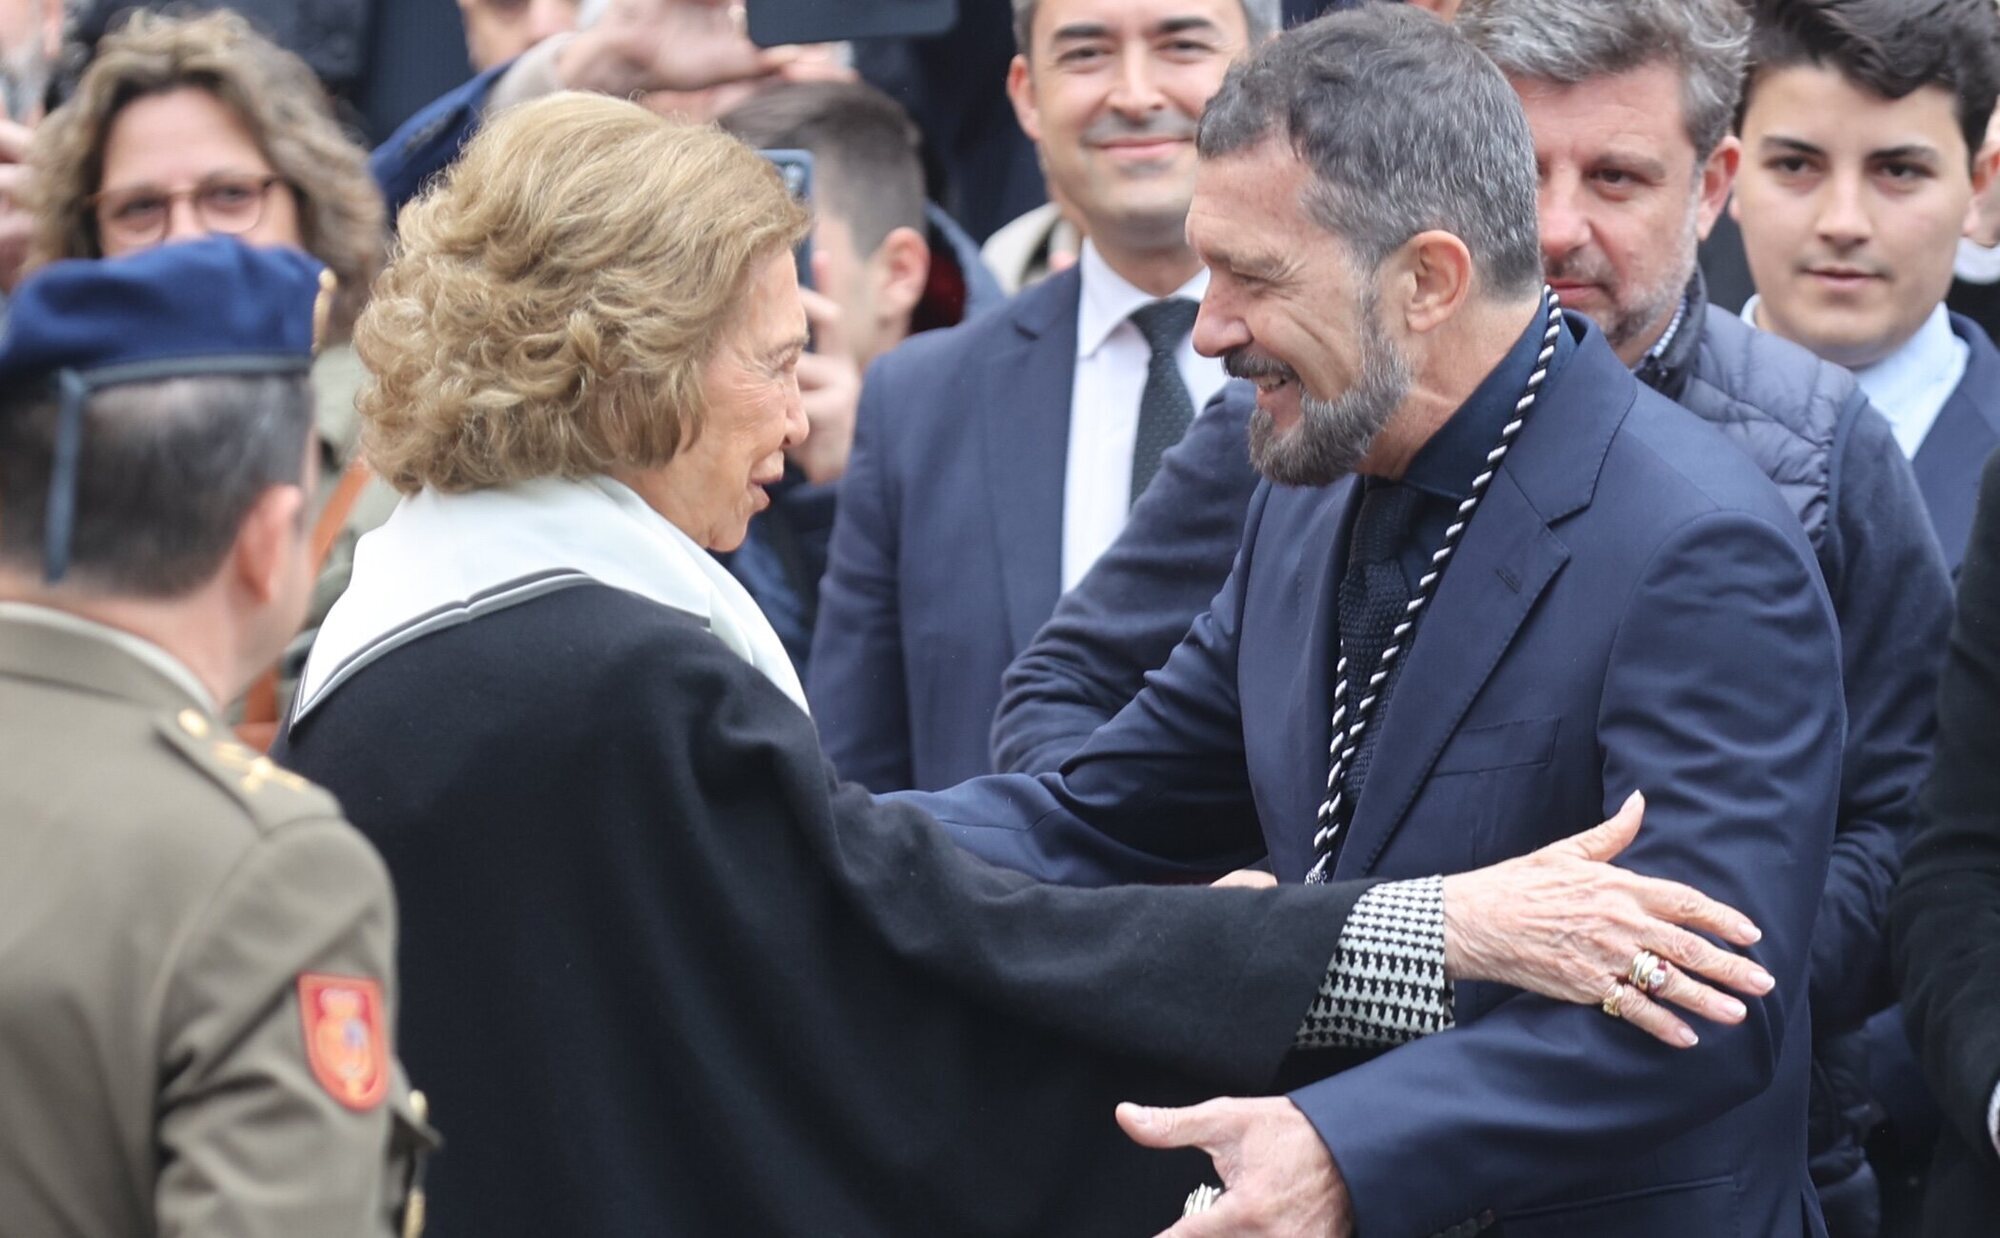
pixel 774 23
pixel 795 168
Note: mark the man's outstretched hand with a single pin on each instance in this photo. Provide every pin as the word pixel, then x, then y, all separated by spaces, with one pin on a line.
pixel 1278 1179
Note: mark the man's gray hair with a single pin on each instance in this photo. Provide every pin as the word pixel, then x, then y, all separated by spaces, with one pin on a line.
pixel 1406 129
pixel 1263 17
pixel 1572 41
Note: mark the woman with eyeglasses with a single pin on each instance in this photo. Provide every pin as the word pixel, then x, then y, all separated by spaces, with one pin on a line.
pixel 189 127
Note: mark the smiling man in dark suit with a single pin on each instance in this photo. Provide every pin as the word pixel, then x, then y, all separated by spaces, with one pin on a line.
pixel 1490 586
pixel 993 463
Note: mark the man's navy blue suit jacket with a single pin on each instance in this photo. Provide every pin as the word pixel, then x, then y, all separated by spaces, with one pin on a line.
pixel 946 554
pixel 1633 607
pixel 1966 432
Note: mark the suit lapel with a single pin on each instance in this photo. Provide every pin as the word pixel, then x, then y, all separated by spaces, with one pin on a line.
pixel 1507 559
pixel 1504 564
pixel 1313 563
pixel 1948 463
pixel 1024 420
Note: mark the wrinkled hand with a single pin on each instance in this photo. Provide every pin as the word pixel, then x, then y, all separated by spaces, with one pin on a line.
pixel 688 46
pixel 830 387
pixel 1278 1179
pixel 17 223
pixel 1565 923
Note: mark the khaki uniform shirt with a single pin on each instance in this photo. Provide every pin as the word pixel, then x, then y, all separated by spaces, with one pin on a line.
pixel 196 967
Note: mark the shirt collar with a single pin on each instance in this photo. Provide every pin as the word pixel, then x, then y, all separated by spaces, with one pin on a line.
pixel 1896 379
pixel 169 667
pixel 1900 379
pixel 1109 299
pixel 1446 465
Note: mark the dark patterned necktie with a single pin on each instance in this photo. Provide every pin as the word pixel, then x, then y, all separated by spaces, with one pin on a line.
pixel 1374 598
pixel 1165 409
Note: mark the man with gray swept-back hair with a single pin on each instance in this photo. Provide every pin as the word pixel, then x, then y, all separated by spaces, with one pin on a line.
pixel 1630 281
pixel 1631 106
pixel 1490 585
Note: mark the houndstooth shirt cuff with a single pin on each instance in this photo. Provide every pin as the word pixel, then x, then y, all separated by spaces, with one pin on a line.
pixel 1386 984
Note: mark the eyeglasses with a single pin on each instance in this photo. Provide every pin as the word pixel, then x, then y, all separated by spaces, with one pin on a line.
pixel 227 202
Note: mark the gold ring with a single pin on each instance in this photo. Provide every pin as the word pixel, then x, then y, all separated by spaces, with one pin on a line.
pixel 1647 974
pixel 1201 1199
pixel 1614 1000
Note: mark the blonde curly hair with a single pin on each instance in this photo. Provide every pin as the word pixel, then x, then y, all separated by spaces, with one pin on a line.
pixel 341 216
pixel 553 299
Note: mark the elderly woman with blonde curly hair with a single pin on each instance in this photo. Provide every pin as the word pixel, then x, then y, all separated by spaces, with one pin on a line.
pixel 663 973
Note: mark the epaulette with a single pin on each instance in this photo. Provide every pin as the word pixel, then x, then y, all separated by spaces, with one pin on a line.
pixel 271 794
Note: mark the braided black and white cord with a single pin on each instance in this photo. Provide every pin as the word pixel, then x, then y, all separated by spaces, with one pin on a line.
pixel 1347 735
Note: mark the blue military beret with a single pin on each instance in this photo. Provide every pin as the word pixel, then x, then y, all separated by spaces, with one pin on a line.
pixel 212 306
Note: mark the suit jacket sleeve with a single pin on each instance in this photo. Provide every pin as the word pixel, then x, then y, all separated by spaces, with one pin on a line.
pixel 1126 615
pixel 856 685
pixel 1893 595
pixel 1159 793
pixel 1946 912
pixel 1722 703
pixel 251 1144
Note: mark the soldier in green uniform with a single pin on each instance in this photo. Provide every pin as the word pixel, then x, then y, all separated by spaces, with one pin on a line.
pixel 197 981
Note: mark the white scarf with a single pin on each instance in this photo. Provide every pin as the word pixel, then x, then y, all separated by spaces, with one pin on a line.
pixel 446 559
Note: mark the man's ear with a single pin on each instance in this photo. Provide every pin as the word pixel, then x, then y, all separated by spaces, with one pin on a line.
pixel 1985 167
pixel 266 541
pixel 901 267
pixel 1432 279
pixel 1021 93
pixel 1718 177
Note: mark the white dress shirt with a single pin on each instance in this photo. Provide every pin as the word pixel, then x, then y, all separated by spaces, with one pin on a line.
pixel 1913 384
pixel 1111 362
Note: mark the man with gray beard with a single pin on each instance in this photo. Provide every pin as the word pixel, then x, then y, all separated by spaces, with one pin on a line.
pixel 1489 587
pixel 1333 435
pixel 1630 106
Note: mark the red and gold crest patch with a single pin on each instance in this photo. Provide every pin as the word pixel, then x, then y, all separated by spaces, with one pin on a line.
pixel 347 1039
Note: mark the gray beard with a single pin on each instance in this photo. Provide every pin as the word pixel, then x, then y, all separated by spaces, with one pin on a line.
pixel 1334 435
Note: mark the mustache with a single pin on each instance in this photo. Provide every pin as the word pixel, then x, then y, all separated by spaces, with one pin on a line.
pixel 1242 363
pixel 1166 125
pixel 1578 268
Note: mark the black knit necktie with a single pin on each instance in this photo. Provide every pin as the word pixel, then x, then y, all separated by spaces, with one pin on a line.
pixel 1165 409
pixel 1374 597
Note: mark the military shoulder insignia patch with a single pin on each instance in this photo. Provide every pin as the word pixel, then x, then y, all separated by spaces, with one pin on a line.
pixel 347 1040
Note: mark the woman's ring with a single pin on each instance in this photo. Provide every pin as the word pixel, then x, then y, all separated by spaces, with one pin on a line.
pixel 1201 1199
pixel 1614 999
pixel 1647 974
